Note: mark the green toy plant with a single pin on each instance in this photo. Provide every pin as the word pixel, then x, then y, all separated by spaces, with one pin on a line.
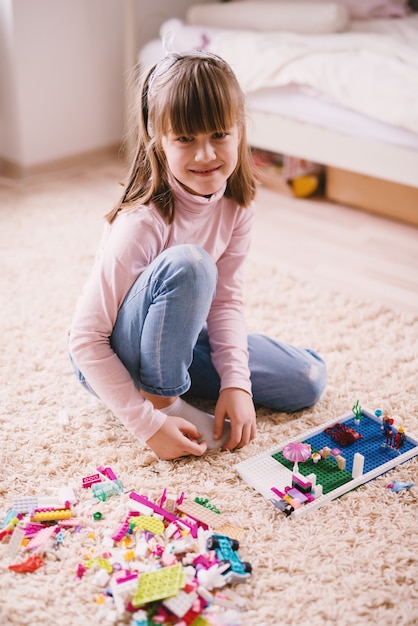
pixel 357 412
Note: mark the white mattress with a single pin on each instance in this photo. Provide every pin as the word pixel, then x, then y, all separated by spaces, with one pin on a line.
pixel 307 106
pixel 373 73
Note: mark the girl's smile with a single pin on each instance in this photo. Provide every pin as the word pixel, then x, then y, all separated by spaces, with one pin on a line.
pixel 205 172
pixel 202 163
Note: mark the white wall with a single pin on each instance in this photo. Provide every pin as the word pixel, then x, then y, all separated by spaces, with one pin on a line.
pixel 152 13
pixel 61 74
pixel 63 65
pixel 9 127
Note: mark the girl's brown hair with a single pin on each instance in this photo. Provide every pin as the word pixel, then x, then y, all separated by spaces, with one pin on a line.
pixel 190 93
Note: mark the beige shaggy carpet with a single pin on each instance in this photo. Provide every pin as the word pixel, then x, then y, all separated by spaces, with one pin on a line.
pixel 352 562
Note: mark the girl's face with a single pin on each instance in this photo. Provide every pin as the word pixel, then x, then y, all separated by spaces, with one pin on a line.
pixel 202 163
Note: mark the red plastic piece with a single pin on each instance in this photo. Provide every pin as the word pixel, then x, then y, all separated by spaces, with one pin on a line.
pixel 31 564
pixel 343 434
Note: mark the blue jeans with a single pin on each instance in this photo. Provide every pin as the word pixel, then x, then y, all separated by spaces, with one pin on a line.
pixel 161 338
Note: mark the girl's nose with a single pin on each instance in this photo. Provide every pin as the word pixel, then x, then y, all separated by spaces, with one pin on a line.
pixel 205 152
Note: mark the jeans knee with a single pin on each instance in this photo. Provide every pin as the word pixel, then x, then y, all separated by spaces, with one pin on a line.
pixel 196 265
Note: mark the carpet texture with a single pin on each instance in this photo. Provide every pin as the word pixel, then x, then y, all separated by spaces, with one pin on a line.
pixel 353 562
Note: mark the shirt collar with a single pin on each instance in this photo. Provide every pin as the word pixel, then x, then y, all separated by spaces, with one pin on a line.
pixel 192 201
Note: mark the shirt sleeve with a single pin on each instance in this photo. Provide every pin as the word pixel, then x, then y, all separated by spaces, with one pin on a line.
pixel 134 239
pixel 226 325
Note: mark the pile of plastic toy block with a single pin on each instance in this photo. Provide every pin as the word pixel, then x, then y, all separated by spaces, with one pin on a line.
pixel 153 567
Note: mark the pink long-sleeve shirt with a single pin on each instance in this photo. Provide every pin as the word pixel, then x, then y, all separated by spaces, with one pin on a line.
pixel 128 245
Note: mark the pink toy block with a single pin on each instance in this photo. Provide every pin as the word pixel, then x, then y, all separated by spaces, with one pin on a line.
pixel 119 534
pixel 88 481
pixel 165 514
pixel 41 537
pixel 107 472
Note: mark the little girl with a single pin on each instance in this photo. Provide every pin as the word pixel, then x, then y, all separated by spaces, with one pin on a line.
pixel 161 314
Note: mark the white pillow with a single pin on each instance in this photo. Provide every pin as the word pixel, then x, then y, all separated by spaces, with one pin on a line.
pixel 359 9
pixel 186 36
pixel 367 9
pixel 291 16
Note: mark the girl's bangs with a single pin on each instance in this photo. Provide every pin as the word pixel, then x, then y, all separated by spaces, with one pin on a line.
pixel 203 104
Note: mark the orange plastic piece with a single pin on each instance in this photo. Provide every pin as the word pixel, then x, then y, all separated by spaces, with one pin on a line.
pixel 31 564
pixel 129 555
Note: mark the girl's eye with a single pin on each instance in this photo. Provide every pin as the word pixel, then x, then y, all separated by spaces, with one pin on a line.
pixel 216 135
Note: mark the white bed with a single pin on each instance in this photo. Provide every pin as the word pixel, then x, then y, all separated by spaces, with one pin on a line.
pixel 298 102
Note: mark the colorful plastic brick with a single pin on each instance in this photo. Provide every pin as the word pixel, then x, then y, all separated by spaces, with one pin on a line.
pixel 15 542
pixel 51 516
pixel 119 534
pixel 140 618
pixel 148 523
pixel 41 537
pixel 207 504
pixel 31 528
pixel 31 564
pixel 168 501
pixel 122 592
pixel 181 603
pixel 105 490
pixel 200 621
pixel 165 514
pixel 226 551
pixel 157 585
pixel 56 500
pixel 88 481
pixel 201 514
pixel 25 505
pixel 10 515
pixel 397 486
pixel 101 562
pixel 234 532
pixel 8 530
pixel 107 472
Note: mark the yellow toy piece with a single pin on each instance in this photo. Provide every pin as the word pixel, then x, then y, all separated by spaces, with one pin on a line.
pixel 305 186
pixel 100 562
pixel 200 621
pixel 129 555
pixel 51 516
pixel 149 523
pixel 159 584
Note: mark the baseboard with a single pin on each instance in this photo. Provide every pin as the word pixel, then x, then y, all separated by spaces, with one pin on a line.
pixel 10 169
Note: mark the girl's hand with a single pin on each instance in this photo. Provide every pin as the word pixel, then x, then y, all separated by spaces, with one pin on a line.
pixel 177 437
pixel 237 405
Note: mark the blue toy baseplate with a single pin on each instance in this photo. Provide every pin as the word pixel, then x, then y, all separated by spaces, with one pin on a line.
pixel 345 455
